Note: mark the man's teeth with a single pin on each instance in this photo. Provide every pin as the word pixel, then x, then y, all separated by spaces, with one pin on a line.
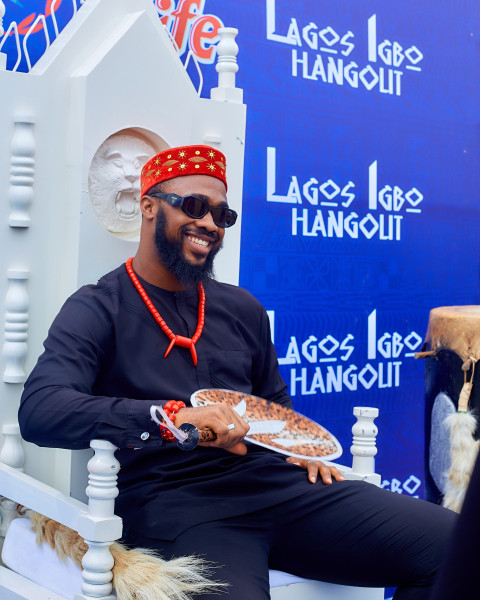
pixel 198 241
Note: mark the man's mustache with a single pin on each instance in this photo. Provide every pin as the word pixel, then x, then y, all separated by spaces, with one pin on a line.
pixel 201 231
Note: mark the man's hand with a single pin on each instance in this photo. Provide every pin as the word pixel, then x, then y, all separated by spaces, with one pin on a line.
pixel 315 467
pixel 217 417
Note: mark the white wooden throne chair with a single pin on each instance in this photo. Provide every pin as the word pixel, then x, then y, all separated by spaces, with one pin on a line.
pixel 74 131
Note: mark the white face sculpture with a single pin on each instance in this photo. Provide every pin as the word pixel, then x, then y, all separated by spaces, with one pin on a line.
pixel 114 183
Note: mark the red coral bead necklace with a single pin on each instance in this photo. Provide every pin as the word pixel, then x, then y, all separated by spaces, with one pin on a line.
pixel 175 340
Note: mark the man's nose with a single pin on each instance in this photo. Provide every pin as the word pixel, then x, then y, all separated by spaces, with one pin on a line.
pixel 207 222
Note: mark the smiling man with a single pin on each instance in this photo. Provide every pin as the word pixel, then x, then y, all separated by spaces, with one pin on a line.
pixel 154 331
pixel 186 249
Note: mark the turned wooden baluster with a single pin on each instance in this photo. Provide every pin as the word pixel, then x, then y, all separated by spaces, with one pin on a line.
pixel 15 344
pixel 226 67
pixel 364 448
pixel 13 455
pixel 2 12
pixel 3 57
pixel 101 491
pixel 22 171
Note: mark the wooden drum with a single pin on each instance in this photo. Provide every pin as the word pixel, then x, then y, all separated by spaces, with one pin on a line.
pixel 451 350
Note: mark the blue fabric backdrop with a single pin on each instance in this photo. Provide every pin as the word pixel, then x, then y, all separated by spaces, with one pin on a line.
pixel 361 190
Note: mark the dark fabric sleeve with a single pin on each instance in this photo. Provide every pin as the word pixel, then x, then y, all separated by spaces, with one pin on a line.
pixel 59 407
pixel 266 379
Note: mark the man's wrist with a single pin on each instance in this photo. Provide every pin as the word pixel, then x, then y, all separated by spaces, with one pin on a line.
pixel 171 408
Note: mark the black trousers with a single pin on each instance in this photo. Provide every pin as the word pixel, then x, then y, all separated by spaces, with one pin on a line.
pixel 348 532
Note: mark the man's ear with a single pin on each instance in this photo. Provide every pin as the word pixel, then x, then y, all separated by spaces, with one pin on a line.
pixel 149 207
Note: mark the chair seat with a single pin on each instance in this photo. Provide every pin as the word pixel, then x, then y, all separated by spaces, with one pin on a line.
pixel 284 586
pixel 39 563
pixel 279 578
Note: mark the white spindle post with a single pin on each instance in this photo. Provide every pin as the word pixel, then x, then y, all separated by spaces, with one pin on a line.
pixel 13 455
pixel 364 448
pixel 3 57
pixel 16 326
pixel 227 50
pixel 101 491
pixel 22 171
pixel 102 481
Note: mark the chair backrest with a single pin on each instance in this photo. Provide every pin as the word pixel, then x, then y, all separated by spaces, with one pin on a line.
pixel 74 132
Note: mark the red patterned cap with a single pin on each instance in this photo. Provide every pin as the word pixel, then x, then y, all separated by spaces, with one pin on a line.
pixel 184 160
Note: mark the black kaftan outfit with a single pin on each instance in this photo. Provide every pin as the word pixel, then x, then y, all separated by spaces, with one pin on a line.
pixel 103 368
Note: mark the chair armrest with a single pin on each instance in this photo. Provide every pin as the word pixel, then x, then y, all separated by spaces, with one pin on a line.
pixel 363 448
pixel 95 522
pixel 40 497
pixel 350 474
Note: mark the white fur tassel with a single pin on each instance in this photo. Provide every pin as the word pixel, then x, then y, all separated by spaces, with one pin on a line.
pixel 463 453
pixel 141 575
pixel 137 574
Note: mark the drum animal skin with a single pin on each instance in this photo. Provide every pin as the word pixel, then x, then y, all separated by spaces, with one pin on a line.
pixel 453 347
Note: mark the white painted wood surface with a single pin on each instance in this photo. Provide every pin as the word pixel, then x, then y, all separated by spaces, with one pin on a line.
pixel 95 522
pixel 16 587
pixel 3 57
pixel 101 491
pixel 15 344
pixel 22 170
pixel 364 448
pixel 227 67
pixel 12 452
pixel 319 590
pixel 99 526
pixel 53 120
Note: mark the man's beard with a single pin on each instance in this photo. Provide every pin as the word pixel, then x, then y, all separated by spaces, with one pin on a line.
pixel 172 257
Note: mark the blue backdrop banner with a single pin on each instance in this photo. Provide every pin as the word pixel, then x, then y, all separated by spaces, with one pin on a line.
pixel 360 197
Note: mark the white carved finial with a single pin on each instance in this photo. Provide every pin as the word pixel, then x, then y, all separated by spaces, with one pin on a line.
pixel 227 50
pixel 12 453
pixel 3 57
pixel 101 491
pixel 22 171
pixel 364 448
pixel 16 326
pixel 102 481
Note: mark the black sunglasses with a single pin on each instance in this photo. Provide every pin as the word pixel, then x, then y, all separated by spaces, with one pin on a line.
pixel 197 208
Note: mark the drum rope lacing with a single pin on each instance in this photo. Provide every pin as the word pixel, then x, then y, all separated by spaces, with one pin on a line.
pixel 466 390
